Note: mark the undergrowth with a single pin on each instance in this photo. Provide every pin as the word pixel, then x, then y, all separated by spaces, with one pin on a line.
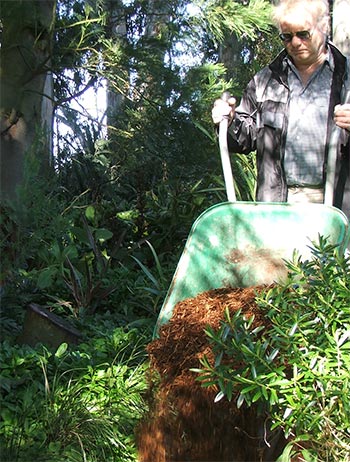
pixel 73 404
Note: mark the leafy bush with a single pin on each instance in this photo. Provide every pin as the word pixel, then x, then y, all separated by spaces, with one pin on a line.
pixel 296 366
pixel 73 405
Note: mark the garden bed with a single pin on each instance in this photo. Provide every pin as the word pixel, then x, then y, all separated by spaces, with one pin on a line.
pixel 185 423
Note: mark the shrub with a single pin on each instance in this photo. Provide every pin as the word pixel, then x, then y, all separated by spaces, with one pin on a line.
pixel 296 366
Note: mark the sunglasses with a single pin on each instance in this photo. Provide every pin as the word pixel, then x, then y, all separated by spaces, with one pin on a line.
pixel 301 34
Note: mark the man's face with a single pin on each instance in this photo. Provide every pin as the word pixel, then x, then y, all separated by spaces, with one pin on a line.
pixel 303 51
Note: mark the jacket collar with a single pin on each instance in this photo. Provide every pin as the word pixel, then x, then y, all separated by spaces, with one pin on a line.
pixel 278 65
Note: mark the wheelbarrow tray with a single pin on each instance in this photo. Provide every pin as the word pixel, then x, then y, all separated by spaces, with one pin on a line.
pixel 244 244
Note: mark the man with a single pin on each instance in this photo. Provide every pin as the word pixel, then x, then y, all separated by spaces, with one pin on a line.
pixel 289 108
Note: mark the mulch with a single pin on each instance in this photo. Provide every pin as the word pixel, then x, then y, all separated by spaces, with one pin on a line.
pixel 184 422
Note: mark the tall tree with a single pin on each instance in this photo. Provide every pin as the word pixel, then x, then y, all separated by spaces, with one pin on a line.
pixel 26 86
pixel 116 30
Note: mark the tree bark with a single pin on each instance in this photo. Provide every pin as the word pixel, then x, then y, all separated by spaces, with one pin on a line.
pixel 26 87
pixel 230 55
pixel 117 30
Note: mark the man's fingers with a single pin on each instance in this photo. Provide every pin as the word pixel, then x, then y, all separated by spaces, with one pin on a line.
pixel 342 115
pixel 223 109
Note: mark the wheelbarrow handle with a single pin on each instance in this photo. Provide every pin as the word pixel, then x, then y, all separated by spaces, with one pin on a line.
pixel 225 156
pixel 332 158
pixel 225 161
pixel 331 165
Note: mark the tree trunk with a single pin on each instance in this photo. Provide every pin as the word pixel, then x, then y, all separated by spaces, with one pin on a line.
pixel 155 32
pixel 117 30
pixel 26 87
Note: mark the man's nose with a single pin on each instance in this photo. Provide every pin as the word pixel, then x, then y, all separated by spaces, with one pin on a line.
pixel 296 41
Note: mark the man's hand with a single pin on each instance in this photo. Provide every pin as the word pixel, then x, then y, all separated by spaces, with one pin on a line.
pixel 342 116
pixel 223 109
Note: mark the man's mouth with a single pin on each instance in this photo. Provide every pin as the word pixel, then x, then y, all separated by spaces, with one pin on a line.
pixel 298 52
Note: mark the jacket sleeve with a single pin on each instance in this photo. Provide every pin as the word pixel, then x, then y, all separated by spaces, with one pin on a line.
pixel 242 132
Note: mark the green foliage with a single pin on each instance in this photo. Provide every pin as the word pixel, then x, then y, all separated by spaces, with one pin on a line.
pixel 73 405
pixel 154 134
pixel 231 16
pixel 296 365
pixel 100 239
pixel 57 252
pixel 159 283
pixel 75 254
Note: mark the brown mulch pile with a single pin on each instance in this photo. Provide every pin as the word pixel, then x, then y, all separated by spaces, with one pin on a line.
pixel 184 422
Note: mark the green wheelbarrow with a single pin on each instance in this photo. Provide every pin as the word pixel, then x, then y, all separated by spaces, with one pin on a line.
pixel 244 244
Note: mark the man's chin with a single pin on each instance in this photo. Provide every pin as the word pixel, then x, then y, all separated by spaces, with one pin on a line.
pixel 301 57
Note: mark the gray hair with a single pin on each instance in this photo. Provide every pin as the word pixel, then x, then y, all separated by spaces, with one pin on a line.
pixel 318 9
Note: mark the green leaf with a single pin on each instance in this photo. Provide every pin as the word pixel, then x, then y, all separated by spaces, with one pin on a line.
pixel 219 397
pixel 287 453
pixel 257 396
pixel 46 277
pixel 273 355
pixel 61 350
pixel 146 271
pixel 240 400
pixel 218 359
pixel 293 329
pixel 229 390
pixel 103 235
pixel 90 212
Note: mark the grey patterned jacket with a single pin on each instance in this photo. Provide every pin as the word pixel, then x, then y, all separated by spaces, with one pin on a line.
pixel 261 122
